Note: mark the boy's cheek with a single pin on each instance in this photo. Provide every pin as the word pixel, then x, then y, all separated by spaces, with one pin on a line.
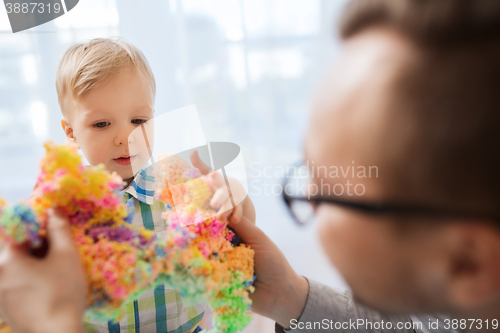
pixel 138 162
pixel 95 153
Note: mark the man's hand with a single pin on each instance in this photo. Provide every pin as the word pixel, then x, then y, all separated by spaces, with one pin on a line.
pixel 221 199
pixel 44 295
pixel 280 294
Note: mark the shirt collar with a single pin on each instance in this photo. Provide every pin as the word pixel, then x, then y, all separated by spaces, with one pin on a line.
pixel 142 187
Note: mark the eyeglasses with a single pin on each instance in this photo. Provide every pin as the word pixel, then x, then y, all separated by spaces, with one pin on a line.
pixel 302 202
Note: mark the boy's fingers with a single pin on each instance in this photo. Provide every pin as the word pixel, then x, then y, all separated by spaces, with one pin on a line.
pixel 216 181
pixel 219 198
pixel 198 163
pixel 59 232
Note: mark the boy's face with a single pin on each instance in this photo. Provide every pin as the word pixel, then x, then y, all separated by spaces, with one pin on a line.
pixel 108 122
pixel 386 268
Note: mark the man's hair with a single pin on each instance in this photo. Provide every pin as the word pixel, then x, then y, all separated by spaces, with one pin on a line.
pixel 84 66
pixel 445 123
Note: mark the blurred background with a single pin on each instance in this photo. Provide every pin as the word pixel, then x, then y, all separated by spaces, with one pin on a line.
pixel 249 66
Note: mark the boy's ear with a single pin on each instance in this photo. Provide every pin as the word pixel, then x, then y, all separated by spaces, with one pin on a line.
pixel 68 130
pixel 474 266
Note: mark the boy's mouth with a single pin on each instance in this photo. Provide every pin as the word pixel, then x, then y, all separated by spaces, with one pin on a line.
pixel 124 160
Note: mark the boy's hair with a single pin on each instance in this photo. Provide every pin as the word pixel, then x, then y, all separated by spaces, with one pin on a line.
pixel 445 119
pixel 83 66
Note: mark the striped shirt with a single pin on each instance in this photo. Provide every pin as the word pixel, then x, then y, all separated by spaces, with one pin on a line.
pixel 161 310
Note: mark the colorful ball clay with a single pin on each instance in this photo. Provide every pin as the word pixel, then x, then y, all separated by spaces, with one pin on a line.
pixel 122 261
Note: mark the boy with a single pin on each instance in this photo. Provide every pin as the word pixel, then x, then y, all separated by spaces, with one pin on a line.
pixel 106 89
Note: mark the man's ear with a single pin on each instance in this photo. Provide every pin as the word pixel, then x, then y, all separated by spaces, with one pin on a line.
pixel 474 265
pixel 68 130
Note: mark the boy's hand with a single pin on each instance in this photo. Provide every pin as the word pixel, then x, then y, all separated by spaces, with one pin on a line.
pixel 44 295
pixel 221 199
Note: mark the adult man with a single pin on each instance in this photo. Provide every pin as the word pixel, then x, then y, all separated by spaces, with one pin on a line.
pixel 414 93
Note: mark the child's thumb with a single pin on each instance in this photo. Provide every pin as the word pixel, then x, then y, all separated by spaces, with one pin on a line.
pixel 198 163
pixel 59 232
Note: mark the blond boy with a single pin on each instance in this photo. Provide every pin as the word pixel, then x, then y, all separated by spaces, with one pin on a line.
pixel 106 89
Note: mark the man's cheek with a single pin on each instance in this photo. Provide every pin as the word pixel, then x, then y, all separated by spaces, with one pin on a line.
pixel 331 237
pixel 332 223
pixel 345 243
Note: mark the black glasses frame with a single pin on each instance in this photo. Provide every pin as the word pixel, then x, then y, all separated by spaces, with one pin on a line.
pixel 389 209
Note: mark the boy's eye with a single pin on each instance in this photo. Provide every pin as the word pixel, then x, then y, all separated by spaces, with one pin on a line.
pixel 139 121
pixel 101 124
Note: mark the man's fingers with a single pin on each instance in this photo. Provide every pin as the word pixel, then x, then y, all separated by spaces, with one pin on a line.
pixel 225 210
pixel 237 214
pixel 249 232
pixel 59 232
pixel 198 163
pixel 13 260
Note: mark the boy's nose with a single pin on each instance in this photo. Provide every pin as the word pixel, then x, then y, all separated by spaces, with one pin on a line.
pixel 123 138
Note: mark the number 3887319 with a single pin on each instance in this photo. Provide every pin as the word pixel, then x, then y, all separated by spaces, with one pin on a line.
pixel 32 7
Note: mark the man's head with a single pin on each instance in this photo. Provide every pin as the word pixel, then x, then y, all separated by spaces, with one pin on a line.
pixel 414 92
pixel 106 90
